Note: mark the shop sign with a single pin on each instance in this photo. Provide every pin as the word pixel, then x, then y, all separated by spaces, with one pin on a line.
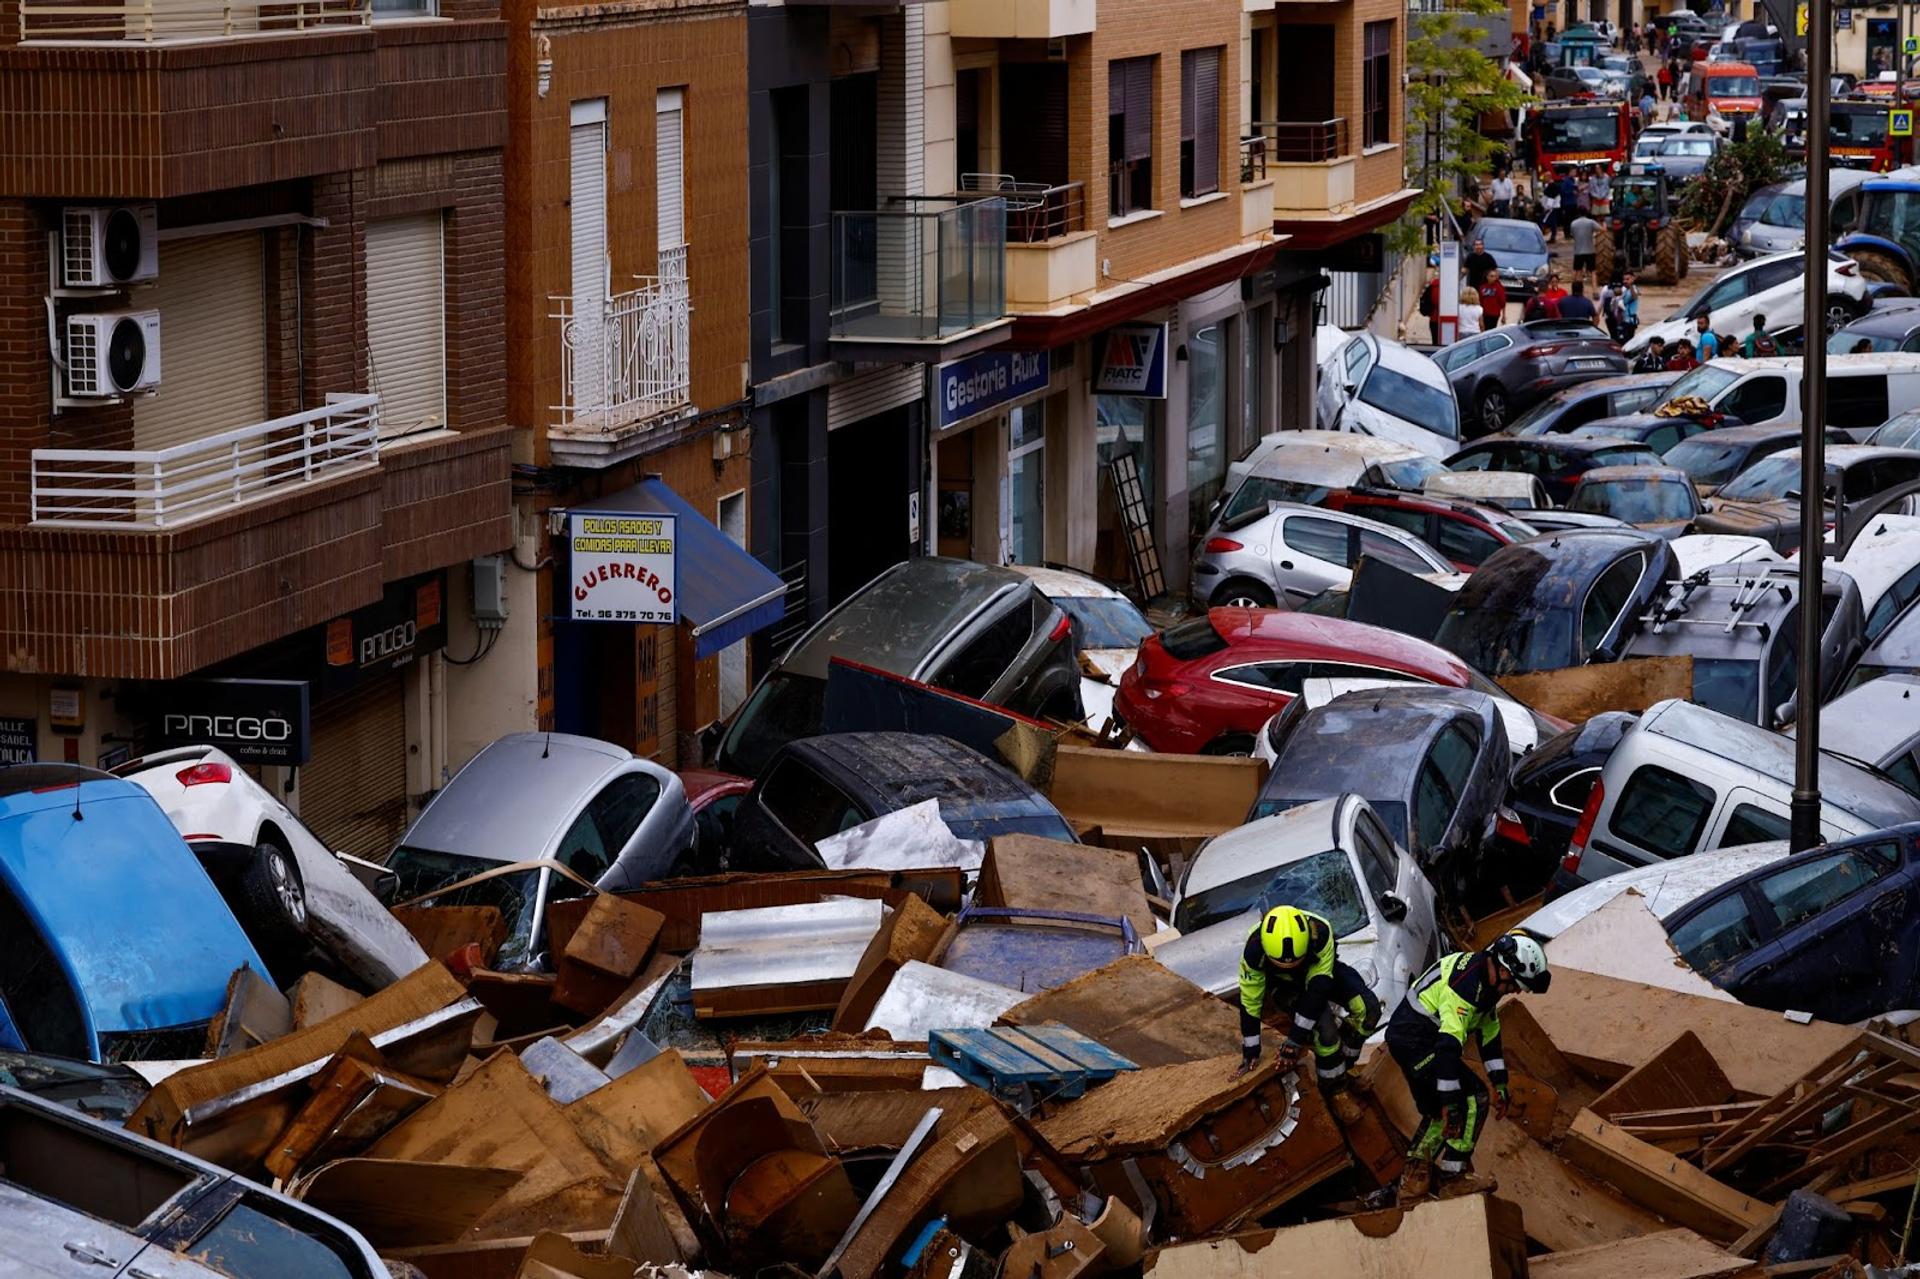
pixel 19 739
pixel 1131 359
pixel 409 619
pixel 623 567
pixel 257 721
pixel 981 382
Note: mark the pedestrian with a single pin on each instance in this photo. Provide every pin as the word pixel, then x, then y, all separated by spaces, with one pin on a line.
pixel 1502 193
pixel 1665 79
pixel 1578 306
pixel 1654 358
pixel 1608 300
pixel 1550 211
pixel 1493 301
pixel 1600 193
pixel 1569 198
pixel 1646 108
pixel 1582 189
pixel 1682 358
pixel 1452 1002
pixel 1478 261
pixel 1467 323
pixel 1583 231
pixel 1430 306
pixel 1545 304
pixel 1863 347
pixel 1628 300
pixel 1759 341
pixel 1705 343
pixel 1291 964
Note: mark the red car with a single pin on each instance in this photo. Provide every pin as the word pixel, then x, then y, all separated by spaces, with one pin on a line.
pixel 1207 685
pixel 1461 531
pixel 713 796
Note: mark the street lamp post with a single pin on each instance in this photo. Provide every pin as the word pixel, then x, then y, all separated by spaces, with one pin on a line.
pixel 1813 412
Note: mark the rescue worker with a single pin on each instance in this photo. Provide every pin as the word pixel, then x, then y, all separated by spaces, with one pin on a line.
pixel 1291 962
pixel 1448 1004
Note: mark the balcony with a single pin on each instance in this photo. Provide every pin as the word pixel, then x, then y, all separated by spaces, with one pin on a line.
pixel 165 488
pixel 1021 19
pixel 1310 163
pixel 154 21
pixel 1051 256
pixel 925 281
pixel 625 369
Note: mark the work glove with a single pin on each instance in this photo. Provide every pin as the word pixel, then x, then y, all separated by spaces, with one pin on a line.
pixel 1249 1058
pixel 1456 1120
pixel 1500 1101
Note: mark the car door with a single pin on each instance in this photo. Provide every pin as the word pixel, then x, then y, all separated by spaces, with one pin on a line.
pixel 1729 293
pixel 1402 899
pixel 1603 612
pixel 1312 553
pixel 1439 787
pixel 1409 555
pixel 1830 917
pixel 794 808
pixel 986 652
pixel 1775 290
pixel 1748 817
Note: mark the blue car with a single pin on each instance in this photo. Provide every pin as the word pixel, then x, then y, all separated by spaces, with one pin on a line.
pixel 1832 931
pixel 114 944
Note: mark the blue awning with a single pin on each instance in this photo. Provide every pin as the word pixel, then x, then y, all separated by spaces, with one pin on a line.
pixel 725 593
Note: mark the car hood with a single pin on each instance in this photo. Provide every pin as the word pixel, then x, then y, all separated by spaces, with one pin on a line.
pixel 1210 957
pixel 1367 420
pixel 1750 518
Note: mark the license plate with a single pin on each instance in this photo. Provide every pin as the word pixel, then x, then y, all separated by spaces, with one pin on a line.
pixel 1586 364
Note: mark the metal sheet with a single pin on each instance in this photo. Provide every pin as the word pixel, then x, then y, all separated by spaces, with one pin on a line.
pixel 783 945
pixel 922 999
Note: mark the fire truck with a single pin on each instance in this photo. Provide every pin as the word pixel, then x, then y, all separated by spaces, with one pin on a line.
pixel 1858 136
pixel 1581 131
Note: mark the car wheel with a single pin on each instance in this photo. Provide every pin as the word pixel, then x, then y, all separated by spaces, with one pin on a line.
pixel 1840 313
pixel 271 895
pixel 1494 409
pixel 1229 744
pixel 1243 592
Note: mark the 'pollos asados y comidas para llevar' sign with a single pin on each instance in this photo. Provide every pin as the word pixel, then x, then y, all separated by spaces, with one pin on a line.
pixel 622 567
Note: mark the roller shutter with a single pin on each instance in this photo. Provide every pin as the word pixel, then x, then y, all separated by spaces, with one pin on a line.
pixel 211 296
pixel 587 181
pixel 353 791
pixel 406 322
pixel 670 175
pixel 887 387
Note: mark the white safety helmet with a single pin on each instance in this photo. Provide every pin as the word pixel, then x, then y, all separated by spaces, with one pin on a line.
pixel 1525 958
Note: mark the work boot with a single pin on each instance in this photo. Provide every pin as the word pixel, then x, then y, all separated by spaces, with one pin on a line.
pixel 1415 1180
pixel 1453 1186
pixel 1346 1107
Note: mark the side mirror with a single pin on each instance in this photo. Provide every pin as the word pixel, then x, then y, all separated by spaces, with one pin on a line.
pixel 1605 653
pixel 1393 908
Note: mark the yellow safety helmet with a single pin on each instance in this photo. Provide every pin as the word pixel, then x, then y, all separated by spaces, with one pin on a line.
pixel 1283 935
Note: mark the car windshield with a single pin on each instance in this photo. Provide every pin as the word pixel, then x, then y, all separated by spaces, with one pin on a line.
pixel 1105 623
pixel 424 871
pixel 1730 685
pixel 1429 407
pixel 1756 205
pixel 1687 147
pixel 1772 478
pixel 1848 342
pixel 1590 130
pixel 1787 211
pixel 1704 382
pixel 784 707
pixel 1706 461
pixel 1249 501
pixel 1322 883
pixel 1858 128
pixel 1513 239
pixel 1409 474
pixel 1902 432
pixel 1635 501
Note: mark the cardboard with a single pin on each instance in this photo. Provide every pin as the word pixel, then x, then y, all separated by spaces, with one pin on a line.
pixel 1026 871
pixel 1472 1237
pixel 1624 939
pixel 685 901
pixel 356 1097
pixel 316 997
pixel 402 1204
pixel 552 1255
pixel 649 1226
pixel 909 933
pixel 483 1258
pixel 623 1121
pixel 1666 1254
pixel 441 930
pixel 1134 795
pixel 254 1012
pixel 1138 1008
pixel 1578 693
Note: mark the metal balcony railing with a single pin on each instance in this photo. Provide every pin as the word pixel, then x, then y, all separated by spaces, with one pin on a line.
pixel 629 361
pixel 156 21
pixel 1036 212
pixel 920 272
pixel 164 488
pixel 1253 158
pixel 1302 141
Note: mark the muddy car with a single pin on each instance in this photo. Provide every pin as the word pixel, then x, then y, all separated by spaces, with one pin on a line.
pixel 1655 499
pixel 1558 601
pixel 1548 792
pixel 1764 499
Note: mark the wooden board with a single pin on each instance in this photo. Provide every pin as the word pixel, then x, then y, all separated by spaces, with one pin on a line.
pixel 1666 1254
pixel 869 1122
pixel 911 931
pixel 1131 793
pixel 399 1203
pixel 1624 939
pixel 254 1013
pixel 603 952
pixel 1651 1177
pixel 649 1227
pixel 441 930
pixel 316 997
pixel 482 1259
pixel 1143 1110
pixel 552 1255
pixel 1606 1027
pixel 1473 1237
pixel 1578 693
pixel 1683 1073
pixel 1140 1009
pixel 685 901
pixel 627 1118
pixel 1026 871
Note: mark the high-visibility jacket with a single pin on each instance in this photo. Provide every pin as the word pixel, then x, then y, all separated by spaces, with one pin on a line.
pixel 1305 987
pixel 1456 998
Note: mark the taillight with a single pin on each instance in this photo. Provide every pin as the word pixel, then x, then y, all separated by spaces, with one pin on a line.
pixel 1577 846
pixel 1846 268
pixel 1542 352
pixel 204 775
pixel 1507 826
pixel 1061 629
pixel 1155 690
pixel 1221 545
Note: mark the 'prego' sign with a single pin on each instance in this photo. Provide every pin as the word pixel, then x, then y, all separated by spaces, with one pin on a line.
pixel 623 567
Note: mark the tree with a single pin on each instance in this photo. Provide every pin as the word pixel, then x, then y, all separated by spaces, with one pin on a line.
pixel 1736 171
pixel 1451 84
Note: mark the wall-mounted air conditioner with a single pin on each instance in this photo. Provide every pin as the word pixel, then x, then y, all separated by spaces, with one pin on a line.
pixel 112 353
pixel 105 247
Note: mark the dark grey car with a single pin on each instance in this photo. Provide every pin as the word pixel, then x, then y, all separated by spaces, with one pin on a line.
pixel 1685 155
pixel 1499 374
pixel 1519 250
pixel 975 629
pixel 1714 457
pixel 1556 601
pixel 1590 401
pixel 1433 763
pixel 1764 499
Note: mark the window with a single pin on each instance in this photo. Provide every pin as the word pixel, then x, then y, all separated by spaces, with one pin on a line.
pixel 1608 599
pixel 1858 401
pixel 790 193
pixel 978 666
pixel 620 807
pixel 1718 935
pixel 1662 811
pixel 1414 522
pixel 1759 399
pixel 406 322
pixel 250 1240
pixel 1809 886
pixel 1322 539
pixel 1482 460
pixel 1269 677
pixel 1889 471
pixel 1129 136
pixel 1443 780
pixel 669 175
pixel 1750 825
pixel 1199 122
pixel 1904 772
pixel 1897 597
pixel 1465 543
pixel 1359 358
pixel 808 805
pixel 33 986
pixel 582 850
pixel 1663 437
pixel 1375 546
pixel 1377 860
pixel 587 254
pixel 1771 275
pixel 1026 482
pixel 1376 83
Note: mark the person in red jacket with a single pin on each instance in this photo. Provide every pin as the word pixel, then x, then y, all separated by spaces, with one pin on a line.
pixel 1493 301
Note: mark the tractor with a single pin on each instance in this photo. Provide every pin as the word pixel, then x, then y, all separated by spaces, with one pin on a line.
pixel 1886 237
pixel 1641 235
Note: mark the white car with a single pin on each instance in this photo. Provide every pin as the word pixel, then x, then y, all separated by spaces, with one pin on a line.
pixel 1884 560
pixel 1667 885
pixel 284 885
pixel 1696 551
pixel 1289 555
pixel 1107 630
pixel 1524 730
pixel 1772 286
pixel 1333 857
pixel 1376 386
pixel 1301 466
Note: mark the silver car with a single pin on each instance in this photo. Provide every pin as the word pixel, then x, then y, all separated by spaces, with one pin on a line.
pixel 611 820
pixel 1294 552
pixel 1782 225
pixel 80 1197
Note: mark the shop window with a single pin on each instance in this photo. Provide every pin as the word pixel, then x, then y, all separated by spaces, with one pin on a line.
pixel 1199 122
pixel 1377 83
pixel 1026 483
pixel 1129 136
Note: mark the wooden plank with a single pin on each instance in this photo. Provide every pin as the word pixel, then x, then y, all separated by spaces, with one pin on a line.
pixel 601 955
pixel 483 1259
pixel 1578 693
pixel 911 932
pixel 1880 1185
pixel 1026 871
pixel 1131 794
pixel 316 997
pixel 1473 1237
pixel 353 1102
pixel 552 1255
pixel 685 901
pixel 1859 1139
pixel 1673 1187
pixel 1666 1254
pixel 649 1227
pixel 400 1203
pixel 1784 1107
pixel 1683 1073
pixel 624 1120
pixel 441 930
pixel 253 1013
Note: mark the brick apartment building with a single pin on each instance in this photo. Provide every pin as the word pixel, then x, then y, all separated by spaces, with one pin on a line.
pixel 253 422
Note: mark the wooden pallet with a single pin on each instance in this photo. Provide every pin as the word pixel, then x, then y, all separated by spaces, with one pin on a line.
pixel 1026 1065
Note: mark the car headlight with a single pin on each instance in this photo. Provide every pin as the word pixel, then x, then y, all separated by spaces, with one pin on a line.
pixel 1540 272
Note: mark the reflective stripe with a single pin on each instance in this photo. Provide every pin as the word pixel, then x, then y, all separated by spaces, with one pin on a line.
pixel 1495 1063
pixel 1335 1071
pixel 1304 1023
pixel 1450 1165
pixel 1447 1085
pixel 1249 1041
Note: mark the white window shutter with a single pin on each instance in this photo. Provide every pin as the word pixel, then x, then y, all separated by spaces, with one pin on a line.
pixel 211 296
pixel 406 322
pixel 588 207
pixel 670 168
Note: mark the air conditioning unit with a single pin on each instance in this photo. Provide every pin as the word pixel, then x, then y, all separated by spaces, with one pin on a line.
pixel 112 353
pixel 108 246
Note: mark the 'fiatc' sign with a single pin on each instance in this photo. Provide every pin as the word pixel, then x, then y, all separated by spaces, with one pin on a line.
pixel 623 567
